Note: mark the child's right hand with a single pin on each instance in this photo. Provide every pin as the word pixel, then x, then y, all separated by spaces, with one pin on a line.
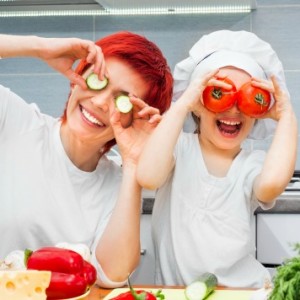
pixel 192 96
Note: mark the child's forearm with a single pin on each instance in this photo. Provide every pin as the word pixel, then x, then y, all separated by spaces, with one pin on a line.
pixel 156 160
pixel 281 157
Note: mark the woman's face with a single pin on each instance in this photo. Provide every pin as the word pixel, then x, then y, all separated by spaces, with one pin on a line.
pixel 227 130
pixel 88 111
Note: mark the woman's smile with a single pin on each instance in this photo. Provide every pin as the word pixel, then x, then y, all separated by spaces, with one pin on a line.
pixel 90 118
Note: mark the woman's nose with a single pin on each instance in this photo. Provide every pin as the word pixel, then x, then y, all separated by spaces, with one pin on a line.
pixel 102 101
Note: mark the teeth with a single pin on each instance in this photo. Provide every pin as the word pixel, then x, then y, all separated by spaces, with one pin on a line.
pixel 233 123
pixel 91 118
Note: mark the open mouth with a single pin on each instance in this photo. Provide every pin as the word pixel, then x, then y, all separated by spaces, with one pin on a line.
pixel 91 119
pixel 229 128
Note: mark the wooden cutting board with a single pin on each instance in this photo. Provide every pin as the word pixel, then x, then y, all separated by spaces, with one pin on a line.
pixel 178 294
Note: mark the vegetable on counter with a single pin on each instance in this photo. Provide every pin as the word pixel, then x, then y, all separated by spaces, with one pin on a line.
pixel 139 295
pixel 202 287
pixel 71 275
pixel 287 279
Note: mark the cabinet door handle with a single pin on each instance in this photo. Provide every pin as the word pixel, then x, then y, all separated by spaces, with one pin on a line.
pixel 143 251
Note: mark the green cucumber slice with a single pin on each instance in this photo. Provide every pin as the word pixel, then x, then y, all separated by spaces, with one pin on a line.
pixel 202 287
pixel 94 83
pixel 123 104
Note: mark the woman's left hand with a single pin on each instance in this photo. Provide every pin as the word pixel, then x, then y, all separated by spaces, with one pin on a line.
pixel 133 129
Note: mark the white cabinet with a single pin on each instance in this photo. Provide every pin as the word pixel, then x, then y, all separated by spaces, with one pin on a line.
pixel 275 236
pixel 145 272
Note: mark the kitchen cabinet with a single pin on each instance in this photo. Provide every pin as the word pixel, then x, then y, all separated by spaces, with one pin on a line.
pixel 276 233
pixel 144 274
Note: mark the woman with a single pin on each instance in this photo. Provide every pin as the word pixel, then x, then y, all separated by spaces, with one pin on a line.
pixel 57 185
pixel 209 184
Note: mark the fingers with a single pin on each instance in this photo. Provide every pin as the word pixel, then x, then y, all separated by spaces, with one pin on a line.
pixel 95 57
pixel 76 78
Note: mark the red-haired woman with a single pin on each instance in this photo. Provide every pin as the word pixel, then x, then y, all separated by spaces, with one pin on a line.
pixel 57 184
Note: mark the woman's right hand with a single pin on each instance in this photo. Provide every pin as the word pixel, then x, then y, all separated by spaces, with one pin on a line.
pixel 61 54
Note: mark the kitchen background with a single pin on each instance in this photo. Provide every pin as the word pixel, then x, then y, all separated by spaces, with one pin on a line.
pixel 275 21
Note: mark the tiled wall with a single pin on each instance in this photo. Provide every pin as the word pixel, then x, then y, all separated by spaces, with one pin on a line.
pixel 276 21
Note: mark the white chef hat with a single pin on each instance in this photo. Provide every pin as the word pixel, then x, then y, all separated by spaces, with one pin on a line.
pixel 241 49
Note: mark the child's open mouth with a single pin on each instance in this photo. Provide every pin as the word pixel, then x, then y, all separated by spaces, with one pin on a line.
pixel 229 128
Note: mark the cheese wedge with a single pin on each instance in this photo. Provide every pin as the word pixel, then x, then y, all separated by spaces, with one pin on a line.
pixel 29 285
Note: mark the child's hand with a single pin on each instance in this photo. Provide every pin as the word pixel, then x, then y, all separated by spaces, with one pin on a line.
pixel 282 102
pixel 193 94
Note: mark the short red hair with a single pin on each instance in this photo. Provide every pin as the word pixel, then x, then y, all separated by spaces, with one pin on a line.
pixel 144 57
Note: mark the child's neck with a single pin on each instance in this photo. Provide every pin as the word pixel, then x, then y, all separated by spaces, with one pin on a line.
pixel 218 161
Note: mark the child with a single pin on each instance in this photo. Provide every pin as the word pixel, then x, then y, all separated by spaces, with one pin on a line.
pixel 209 185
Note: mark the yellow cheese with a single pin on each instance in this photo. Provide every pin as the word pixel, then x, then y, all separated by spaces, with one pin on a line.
pixel 24 285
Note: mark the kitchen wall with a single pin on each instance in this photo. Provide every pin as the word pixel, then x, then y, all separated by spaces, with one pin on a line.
pixel 276 21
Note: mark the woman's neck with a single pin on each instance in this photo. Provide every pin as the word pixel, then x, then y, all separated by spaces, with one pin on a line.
pixel 84 154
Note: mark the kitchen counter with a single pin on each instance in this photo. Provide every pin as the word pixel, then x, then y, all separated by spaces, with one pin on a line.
pixel 99 293
pixel 287 203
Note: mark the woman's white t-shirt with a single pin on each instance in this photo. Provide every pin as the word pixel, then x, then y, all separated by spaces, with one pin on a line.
pixel 202 223
pixel 44 198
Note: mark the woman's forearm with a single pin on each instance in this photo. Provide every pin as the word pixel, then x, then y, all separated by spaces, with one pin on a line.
pixel 15 45
pixel 118 251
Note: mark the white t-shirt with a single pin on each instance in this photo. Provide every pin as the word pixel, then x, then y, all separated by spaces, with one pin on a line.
pixel 44 198
pixel 203 223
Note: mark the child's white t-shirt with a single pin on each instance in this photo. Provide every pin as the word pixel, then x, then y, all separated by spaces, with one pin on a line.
pixel 202 223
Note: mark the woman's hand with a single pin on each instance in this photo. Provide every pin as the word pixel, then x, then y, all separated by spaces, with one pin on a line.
pixel 132 136
pixel 61 54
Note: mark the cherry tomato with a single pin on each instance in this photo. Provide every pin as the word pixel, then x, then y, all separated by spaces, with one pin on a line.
pixel 253 101
pixel 217 99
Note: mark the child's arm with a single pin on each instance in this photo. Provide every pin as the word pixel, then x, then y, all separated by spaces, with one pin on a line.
pixel 280 161
pixel 156 160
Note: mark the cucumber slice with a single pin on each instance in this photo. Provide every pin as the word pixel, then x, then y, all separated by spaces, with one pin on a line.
pixel 202 287
pixel 94 83
pixel 123 104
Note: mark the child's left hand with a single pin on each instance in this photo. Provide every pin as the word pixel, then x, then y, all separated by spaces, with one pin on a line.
pixel 282 102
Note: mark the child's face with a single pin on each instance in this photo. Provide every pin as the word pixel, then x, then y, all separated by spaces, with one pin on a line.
pixel 228 129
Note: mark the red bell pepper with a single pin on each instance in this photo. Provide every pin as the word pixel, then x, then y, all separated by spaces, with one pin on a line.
pixel 71 275
pixel 89 273
pixel 63 286
pixel 56 260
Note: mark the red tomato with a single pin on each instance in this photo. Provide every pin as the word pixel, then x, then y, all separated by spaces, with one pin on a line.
pixel 217 99
pixel 253 101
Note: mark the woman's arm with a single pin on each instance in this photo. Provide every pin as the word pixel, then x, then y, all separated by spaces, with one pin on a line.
pixel 280 161
pixel 58 53
pixel 118 250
